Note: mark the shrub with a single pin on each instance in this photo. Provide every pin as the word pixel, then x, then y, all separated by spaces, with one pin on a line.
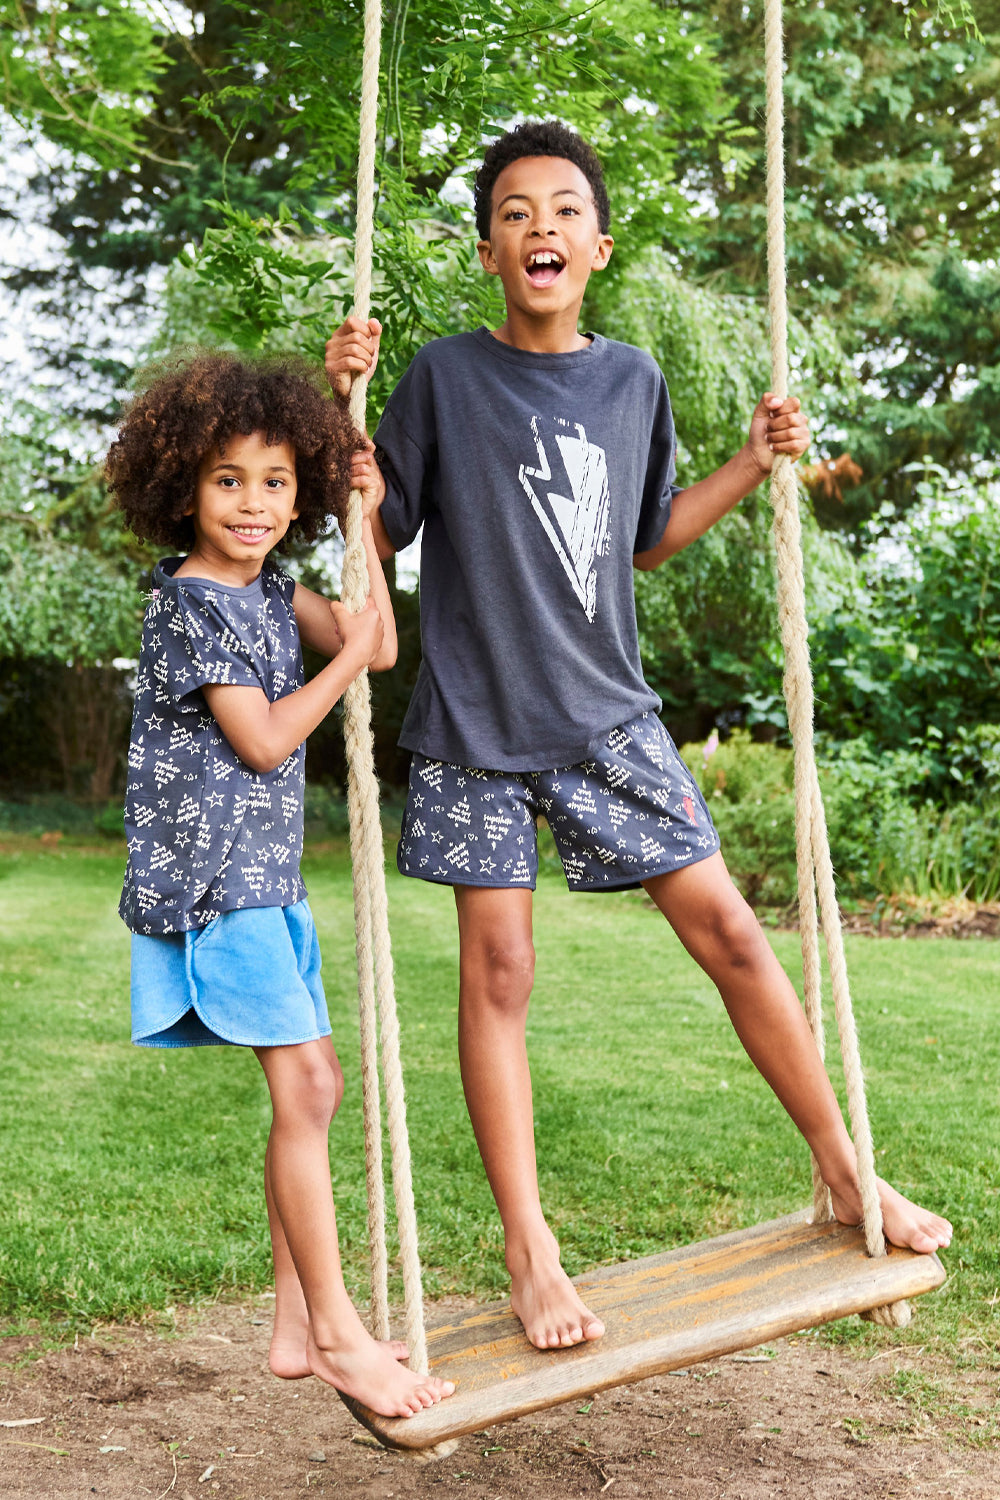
pixel 749 791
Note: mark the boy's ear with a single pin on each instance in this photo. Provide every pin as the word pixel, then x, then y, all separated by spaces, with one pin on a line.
pixel 602 254
pixel 487 259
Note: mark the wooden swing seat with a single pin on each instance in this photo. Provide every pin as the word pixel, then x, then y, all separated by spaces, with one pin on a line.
pixel 661 1313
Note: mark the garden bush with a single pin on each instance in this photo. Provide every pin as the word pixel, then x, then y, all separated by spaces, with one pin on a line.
pixel 884 840
pixel 749 791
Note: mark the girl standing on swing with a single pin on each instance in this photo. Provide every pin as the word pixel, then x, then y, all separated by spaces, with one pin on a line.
pixel 220 460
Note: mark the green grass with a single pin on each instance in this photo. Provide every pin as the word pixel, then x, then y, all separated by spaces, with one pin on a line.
pixel 132 1179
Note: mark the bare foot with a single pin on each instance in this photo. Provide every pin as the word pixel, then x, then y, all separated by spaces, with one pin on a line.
pixel 546 1301
pixel 288 1358
pixel 903 1223
pixel 370 1373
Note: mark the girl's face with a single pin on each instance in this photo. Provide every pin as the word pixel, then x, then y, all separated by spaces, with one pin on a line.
pixel 244 503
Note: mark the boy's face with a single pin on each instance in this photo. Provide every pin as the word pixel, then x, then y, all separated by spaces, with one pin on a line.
pixel 244 503
pixel 544 236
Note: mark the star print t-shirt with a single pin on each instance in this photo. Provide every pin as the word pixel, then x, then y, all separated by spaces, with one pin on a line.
pixel 206 833
pixel 535 478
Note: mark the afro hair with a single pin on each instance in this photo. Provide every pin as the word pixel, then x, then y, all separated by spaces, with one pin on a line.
pixel 192 405
pixel 538 138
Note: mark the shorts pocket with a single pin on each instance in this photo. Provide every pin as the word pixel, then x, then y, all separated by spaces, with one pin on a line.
pixel 204 932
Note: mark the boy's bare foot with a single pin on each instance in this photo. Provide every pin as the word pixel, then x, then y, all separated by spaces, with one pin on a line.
pixel 546 1301
pixel 903 1223
pixel 372 1374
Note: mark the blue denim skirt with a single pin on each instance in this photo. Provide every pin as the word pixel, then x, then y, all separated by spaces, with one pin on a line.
pixel 250 978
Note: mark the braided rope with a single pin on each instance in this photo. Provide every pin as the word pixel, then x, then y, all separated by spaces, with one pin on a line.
pixel 376 991
pixel 815 869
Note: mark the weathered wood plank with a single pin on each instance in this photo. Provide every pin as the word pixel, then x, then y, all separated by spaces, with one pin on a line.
pixel 661 1313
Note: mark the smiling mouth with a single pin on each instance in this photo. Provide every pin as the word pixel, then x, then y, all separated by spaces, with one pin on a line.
pixel 543 267
pixel 249 533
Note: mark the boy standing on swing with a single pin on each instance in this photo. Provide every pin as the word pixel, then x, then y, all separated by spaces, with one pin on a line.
pixel 540 463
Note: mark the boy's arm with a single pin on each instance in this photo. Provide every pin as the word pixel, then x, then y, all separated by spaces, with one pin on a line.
pixel 776 427
pixel 263 733
pixel 353 349
pixel 367 477
pixel 318 628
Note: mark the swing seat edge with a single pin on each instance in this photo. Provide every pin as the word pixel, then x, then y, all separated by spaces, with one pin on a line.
pixel 663 1312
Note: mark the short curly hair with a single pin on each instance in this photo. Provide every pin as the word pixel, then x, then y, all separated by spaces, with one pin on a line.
pixel 191 404
pixel 538 138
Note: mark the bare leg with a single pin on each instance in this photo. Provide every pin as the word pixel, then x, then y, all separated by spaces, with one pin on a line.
pixel 721 933
pixel 497 970
pixel 305 1086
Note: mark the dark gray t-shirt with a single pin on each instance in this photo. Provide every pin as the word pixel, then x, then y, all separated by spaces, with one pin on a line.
pixel 206 833
pixel 535 477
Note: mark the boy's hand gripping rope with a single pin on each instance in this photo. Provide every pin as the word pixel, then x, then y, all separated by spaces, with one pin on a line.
pixel 815 868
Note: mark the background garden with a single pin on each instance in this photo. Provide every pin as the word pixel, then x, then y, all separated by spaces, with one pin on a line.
pixel 182 174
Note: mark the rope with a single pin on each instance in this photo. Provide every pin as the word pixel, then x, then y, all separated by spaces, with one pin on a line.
pixel 376 991
pixel 815 869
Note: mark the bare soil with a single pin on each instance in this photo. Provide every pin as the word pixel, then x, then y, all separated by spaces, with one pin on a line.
pixel 912 917
pixel 134 1412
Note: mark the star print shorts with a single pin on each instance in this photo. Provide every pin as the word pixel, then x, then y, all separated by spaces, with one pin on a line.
pixel 632 812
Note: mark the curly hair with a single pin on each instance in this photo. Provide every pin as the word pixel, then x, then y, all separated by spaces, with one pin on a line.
pixel 191 405
pixel 538 138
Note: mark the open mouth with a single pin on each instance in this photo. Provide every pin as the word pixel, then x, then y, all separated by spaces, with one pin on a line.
pixel 543 267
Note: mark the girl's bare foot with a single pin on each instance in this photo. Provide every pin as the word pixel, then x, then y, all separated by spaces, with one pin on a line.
pixel 546 1301
pixel 288 1358
pixel 371 1373
pixel 903 1223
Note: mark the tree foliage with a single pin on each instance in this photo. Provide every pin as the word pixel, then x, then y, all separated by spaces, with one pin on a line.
pixel 149 144
pixel 68 574
pixel 708 616
pixel 907 650
pixel 892 162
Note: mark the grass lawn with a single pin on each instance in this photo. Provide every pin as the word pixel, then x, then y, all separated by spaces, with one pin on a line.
pixel 132 1178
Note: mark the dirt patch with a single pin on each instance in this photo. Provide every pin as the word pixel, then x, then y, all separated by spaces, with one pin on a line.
pixel 130 1413
pixel 912 916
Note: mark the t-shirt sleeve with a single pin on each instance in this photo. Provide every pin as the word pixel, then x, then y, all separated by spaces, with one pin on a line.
pixel 198 646
pixel 405 445
pixel 659 488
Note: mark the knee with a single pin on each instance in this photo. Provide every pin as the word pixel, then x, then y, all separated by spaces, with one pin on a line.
pixel 500 973
pixel 319 1088
pixel 736 934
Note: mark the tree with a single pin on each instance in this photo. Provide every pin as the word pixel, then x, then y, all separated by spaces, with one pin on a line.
pixel 893 151
pixel 70 605
pixel 908 652
pixel 708 617
pixel 130 96
pixel 631 77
